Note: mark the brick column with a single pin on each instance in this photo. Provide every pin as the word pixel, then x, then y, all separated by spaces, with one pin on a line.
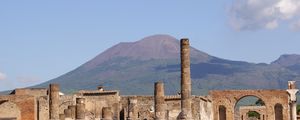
pixel 54 102
pixel 186 112
pixel 159 101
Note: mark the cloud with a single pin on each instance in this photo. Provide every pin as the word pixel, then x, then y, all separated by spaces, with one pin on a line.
pixel 28 79
pixel 262 14
pixel 296 26
pixel 2 76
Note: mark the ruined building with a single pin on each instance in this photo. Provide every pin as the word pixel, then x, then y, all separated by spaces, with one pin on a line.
pixel 51 104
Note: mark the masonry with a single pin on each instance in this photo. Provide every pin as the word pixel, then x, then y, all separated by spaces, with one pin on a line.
pixel 100 104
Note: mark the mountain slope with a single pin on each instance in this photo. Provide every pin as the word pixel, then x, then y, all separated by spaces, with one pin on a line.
pixel 287 60
pixel 133 67
pixel 152 47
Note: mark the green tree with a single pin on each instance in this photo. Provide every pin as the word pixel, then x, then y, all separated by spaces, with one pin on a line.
pixel 260 102
pixel 253 114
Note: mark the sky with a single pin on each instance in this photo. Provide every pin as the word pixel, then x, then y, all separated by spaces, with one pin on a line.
pixel 41 40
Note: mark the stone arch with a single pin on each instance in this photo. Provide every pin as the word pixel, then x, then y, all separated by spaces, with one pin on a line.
pixel 64 105
pixel 9 110
pixel 278 108
pixel 229 98
pixel 68 102
pixel 243 114
pixel 222 112
pixel 248 95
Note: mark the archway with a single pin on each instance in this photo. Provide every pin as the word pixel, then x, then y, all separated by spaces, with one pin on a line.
pixel 230 98
pixel 9 111
pixel 253 115
pixel 278 112
pixel 222 112
pixel 249 108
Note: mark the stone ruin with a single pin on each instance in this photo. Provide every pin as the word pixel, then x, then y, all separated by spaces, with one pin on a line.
pixel 50 104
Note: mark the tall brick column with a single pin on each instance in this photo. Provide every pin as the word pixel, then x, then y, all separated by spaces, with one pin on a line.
pixel 107 113
pixel 54 102
pixel 80 108
pixel 159 101
pixel 186 112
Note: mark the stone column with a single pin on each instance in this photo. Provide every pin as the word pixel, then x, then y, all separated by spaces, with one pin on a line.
pixel 107 113
pixel 61 116
pixel 54 102
pixel 80 108
pixel 159 101
pixel 116 110
pixel 73 111
pixel 132 110
pixel 292 90
pixel 68 113
pixel 186 112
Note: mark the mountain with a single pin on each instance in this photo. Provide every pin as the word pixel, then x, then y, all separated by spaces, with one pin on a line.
pixel 160 47
pixel 287 60
pixel 133 67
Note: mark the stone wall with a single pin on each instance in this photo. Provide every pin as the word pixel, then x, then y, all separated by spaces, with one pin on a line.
pixel 201 107
pixel 36 92
pixel 95 101
pixel 43 108
pixel 24 106
pixel 24 103
pixel 9 110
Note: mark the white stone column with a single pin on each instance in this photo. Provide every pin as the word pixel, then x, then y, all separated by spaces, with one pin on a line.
pixel 293 99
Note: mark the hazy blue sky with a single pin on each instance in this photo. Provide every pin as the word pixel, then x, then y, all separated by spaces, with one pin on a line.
pixel 41 40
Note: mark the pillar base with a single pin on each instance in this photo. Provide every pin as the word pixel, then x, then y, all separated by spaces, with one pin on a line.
pixel 132 119
pixel 159 119
pixel 69 119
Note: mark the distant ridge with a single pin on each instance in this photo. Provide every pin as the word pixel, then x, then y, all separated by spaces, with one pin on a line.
pixel 287 60
pixel 133 67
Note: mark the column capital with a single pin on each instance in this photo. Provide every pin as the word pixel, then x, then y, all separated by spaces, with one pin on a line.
pixel 292 93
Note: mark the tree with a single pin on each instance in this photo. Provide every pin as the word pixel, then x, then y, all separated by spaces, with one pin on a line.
pixel 253 114
pixel 298 108
pixel 260 102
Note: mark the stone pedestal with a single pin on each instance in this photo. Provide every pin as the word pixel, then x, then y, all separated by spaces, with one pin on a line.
pixel 61 116
pixel 73 111
pixel 80 108
pixel 67 113
pixel 107 113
